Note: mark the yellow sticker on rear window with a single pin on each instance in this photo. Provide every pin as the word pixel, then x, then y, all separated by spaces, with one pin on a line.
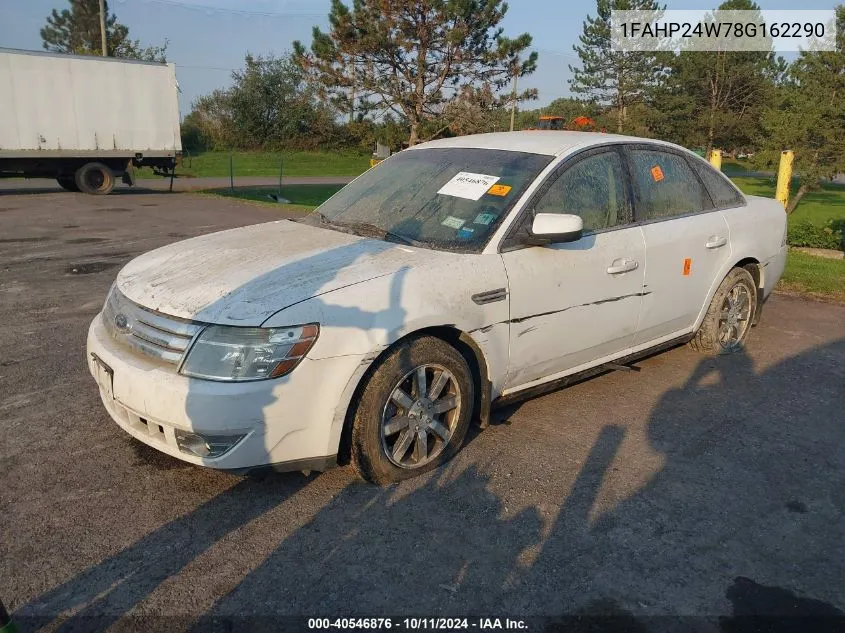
pixel 499 190
pixel 656 173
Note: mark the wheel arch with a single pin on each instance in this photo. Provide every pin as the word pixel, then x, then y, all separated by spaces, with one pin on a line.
pixel 461 341
pixel 752 265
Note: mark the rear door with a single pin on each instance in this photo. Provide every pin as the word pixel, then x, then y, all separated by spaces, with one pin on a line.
pixel 686 238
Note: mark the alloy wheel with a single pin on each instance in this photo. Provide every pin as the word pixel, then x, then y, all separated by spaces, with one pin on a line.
pixel 735 316
pixel 420 416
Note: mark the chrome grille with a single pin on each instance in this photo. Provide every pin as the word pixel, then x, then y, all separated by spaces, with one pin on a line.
pixel 150 333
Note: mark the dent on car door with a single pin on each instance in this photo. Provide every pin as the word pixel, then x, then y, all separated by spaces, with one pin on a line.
pixel 573 303
pixel 687 241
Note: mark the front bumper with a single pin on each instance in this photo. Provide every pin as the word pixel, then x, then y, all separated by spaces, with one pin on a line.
pixel 296 418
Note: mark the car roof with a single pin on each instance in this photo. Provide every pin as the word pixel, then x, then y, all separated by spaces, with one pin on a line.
pixel 549 142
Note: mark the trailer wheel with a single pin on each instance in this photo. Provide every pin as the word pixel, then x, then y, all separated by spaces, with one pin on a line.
pixel 94 178
pixel 67 182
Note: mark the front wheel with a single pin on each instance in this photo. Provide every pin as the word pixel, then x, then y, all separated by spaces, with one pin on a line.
pixel 727 324
pixel 414 411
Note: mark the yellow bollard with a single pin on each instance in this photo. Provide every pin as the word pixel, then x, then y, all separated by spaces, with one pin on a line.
pixel 784 177
pixel 716 158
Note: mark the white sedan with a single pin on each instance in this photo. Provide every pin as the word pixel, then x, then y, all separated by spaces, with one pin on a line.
pixel 457 274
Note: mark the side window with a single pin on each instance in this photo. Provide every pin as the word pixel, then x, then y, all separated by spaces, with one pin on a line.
pixel 724 194
pixel 592 188
pixel 666 185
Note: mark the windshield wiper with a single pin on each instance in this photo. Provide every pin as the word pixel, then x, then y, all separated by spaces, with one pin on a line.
pixel 377 230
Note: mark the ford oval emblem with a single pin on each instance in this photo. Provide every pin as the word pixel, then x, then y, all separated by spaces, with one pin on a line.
pixel 121 322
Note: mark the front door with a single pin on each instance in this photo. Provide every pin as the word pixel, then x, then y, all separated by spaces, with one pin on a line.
pixel 576 302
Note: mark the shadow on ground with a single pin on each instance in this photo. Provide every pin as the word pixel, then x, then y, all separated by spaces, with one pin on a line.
pixel 744 519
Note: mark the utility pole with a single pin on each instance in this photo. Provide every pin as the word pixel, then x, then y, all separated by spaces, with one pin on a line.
pixel 352 96
pixel 513 98
pixel 103 42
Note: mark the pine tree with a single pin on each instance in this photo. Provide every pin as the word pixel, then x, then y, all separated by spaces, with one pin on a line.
pixel 414 57
pixel 725 91
pixel 614 78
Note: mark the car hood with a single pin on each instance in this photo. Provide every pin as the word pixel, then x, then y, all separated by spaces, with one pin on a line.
pixel 243 276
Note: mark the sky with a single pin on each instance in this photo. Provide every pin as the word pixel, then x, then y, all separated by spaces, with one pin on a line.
pixel 209 38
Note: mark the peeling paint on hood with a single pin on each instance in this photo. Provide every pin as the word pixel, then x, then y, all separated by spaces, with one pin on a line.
pixel 243 276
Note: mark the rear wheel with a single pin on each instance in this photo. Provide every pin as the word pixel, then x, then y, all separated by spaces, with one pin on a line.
pixel 67 182
pixel 414 411
pixel 94 178
pixel 727 324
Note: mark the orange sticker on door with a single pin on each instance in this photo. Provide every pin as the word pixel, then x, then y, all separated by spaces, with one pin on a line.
pixel 687 267
pixel 499 190
pixel 656 173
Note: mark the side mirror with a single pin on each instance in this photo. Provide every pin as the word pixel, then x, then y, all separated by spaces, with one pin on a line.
pixel 554 228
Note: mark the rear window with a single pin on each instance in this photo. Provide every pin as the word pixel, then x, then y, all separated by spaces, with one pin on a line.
pixel 723 193
pixel 666 185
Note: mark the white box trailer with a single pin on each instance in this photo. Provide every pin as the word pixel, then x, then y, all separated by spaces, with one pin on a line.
pixel 86 120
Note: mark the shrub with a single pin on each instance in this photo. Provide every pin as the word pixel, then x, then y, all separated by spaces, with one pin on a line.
pixel 829 235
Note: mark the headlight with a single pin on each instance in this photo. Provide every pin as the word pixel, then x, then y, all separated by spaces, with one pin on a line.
pixel 248 353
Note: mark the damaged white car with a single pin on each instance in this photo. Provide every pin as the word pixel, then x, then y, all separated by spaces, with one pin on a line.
pixel 455 275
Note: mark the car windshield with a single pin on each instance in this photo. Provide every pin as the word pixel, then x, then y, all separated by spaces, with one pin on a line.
pixel 449 198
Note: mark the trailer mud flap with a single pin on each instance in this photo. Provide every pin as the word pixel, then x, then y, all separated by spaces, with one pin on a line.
pixel 129 175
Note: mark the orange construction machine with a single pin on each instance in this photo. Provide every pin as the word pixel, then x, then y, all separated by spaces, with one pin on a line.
pixel 548 122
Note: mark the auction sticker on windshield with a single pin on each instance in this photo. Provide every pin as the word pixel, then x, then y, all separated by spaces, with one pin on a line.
pixel 453 222
pixel 500 190
pixel 468 185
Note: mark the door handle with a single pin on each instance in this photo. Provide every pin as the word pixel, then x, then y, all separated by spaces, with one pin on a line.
pixel 619 266
pixel 716 242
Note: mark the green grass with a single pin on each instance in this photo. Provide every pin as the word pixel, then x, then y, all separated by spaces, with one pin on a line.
pixel 732 166
pixel 814 276
pixel 266 164
pixel 817 207
pixel 755 186
pixel 305 197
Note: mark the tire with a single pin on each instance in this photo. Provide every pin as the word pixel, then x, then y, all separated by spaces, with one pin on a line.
pixel 94 178
pixel 733 308
pixel 382 425
pixel 67 183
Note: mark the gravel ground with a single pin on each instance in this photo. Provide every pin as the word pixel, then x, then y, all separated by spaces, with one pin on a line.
pixel 695 487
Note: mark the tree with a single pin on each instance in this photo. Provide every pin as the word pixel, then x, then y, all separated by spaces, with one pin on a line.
pixel 809 115
pixel 570 108
pixel 77 31
pixel 475 110
pixel 413 57
pixel 673 112
pixel 269 107
pixel 609 77
pixel 210 124
pixel 272 105
pixel 717 97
